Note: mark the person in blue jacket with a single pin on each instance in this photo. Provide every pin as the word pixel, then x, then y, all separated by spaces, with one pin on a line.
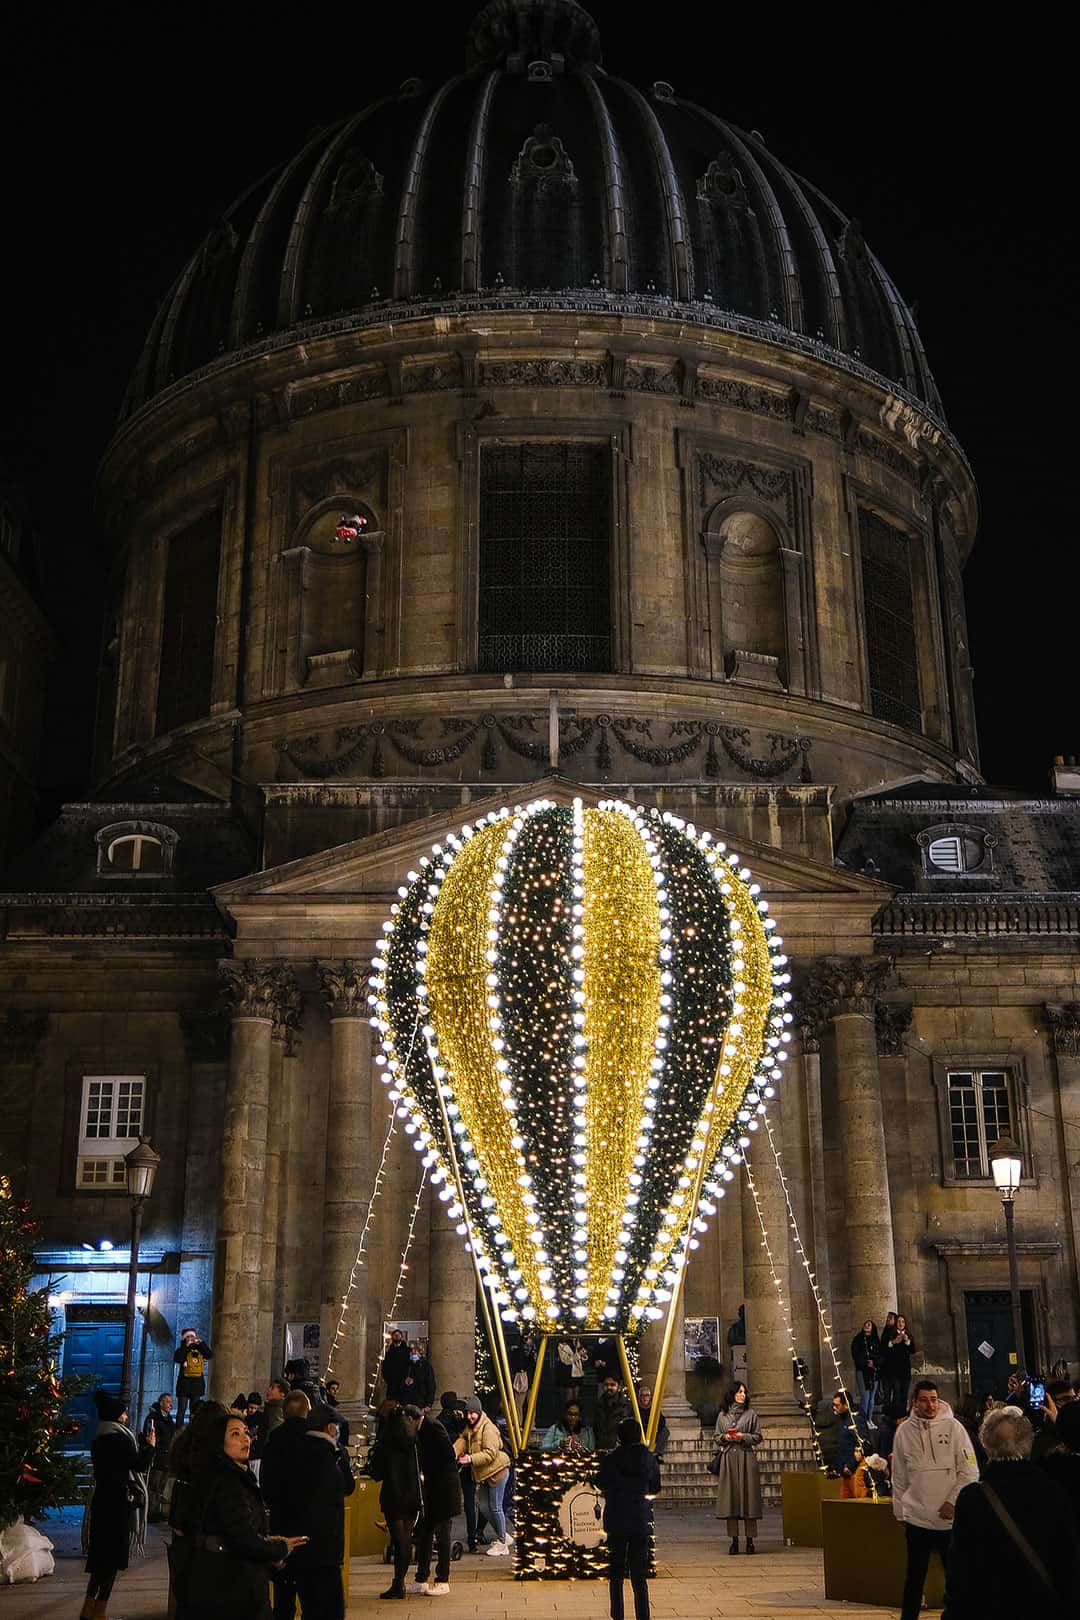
pixel 629 1478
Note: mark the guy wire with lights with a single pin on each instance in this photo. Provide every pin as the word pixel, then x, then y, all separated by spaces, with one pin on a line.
pixel 603 1005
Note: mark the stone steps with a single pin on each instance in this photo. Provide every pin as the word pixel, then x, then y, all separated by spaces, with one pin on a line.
pixel 687 1481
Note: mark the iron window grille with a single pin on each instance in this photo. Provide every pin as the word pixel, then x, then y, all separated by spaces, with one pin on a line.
pixel 889 615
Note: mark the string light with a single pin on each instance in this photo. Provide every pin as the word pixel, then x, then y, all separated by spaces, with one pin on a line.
pixel 542 1552
pixel 357 1264
pixel 826 1325
pixel 399 1286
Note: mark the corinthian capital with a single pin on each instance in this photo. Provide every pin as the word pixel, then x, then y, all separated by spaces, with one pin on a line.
pixel 848 984
pixel 1063 1022
pixel 258 989
pixel 892 1020
pixel 343 986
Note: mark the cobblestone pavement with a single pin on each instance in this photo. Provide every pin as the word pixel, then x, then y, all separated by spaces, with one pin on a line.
pixel 697 1580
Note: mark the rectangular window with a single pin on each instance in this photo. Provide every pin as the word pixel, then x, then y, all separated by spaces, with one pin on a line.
pixel 186 670
pixel 545 558
pixel 980 1110
pixel 110 1126
pixel 889 613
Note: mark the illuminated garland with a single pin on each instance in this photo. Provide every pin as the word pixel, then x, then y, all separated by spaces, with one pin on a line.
pixel 399 1286
pixel 361 1249
pixel 603 1012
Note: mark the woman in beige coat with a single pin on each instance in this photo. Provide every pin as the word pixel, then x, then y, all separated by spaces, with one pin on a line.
pixel 738 1483
pixel 479 1446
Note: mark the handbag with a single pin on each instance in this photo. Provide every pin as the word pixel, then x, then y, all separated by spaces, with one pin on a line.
pixel 713 1464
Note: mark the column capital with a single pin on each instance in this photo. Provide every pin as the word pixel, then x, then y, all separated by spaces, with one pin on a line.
pixel 288 1013
pixel 206 1034
pixel 840 985
pixel 343 986
pixel 254 988
pixel 892 1020
pixel 1063 1023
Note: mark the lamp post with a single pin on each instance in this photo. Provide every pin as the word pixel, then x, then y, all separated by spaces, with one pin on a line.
pixel 1007 1165
pixel 141 1164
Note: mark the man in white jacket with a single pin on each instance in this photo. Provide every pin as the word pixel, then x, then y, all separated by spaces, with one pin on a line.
pixel 932 1461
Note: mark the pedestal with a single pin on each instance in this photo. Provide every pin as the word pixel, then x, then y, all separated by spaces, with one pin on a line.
pixel 866 1555
pixel 364 1536
pixel 801 1496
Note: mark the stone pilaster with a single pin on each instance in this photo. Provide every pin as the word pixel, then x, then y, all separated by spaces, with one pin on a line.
pixel 349 1170
pixel 849 987
pixel 681 1417
pixel 767 1343
pixel 257 993
pixel 892 1020
pixel 1063 1025
pixel 206 1038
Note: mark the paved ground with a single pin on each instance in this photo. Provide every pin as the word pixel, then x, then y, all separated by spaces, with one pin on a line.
pixel 697 1580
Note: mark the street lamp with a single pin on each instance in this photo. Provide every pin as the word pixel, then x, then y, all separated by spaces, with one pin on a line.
pixel 1007 1166
pixel 141 1166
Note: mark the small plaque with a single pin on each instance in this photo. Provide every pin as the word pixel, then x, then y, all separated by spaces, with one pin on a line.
pixel 985 1349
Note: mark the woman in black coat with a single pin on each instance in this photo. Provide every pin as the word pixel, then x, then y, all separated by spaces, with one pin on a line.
pixel 393 1460
pixel 118 1505
pixel 228 1568
pixel 896 1364
pixel 629 1478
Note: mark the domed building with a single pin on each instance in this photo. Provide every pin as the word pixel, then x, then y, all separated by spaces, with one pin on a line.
pixel 537 432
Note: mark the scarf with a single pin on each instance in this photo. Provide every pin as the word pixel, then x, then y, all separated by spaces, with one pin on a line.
pixel 138 1500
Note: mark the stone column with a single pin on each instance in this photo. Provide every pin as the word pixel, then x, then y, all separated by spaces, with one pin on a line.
pixel 254 991
pixel 681 1416
pixel 451 1305
pixel 206 1037
pixel 767 1342
pixel 349 1171
pixel 849 987
pixel 799 1157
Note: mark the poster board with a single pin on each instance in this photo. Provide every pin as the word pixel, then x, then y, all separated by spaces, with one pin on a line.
pixel 305 1339
pixel 701 1337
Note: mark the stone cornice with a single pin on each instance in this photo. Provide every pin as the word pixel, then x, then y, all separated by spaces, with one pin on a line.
pixel 985 916
pixel 972 1248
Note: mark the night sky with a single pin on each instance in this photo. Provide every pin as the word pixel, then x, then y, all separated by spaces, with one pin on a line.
pixel 127 130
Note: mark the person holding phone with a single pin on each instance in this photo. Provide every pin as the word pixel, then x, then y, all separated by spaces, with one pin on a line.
pixel 738 1480
pixel 228 1577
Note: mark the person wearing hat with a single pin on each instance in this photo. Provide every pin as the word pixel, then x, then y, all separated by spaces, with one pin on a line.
pixel 479 1447
pixel 452 1417
pixel 192 1354
pixel 324 1480
pixel 116 1513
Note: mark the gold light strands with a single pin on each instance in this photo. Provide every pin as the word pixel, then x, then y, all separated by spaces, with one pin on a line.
pixel 785 1310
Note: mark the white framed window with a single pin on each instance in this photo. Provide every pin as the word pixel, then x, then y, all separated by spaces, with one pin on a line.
pixel 947 854
pixel 980 1110
pixel 110 1124
pixel 135 852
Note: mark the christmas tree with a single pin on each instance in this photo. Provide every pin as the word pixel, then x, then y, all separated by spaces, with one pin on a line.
pixel 34 1473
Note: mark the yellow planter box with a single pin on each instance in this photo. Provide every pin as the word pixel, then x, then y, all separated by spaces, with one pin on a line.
pixel 362 1535
pixel 801 1496
pixel 866 1555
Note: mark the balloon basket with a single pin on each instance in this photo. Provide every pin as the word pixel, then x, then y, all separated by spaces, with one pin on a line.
pixel 559 1531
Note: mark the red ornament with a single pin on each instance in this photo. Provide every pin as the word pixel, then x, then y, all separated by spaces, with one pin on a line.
pixel 27 1476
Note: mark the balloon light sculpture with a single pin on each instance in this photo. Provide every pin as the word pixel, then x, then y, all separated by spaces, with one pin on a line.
pixel 581 1013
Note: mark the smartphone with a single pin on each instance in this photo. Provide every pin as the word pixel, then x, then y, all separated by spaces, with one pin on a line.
pixel 1036 1393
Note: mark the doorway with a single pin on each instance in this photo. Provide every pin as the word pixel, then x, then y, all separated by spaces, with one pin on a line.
pixel 94 1349
pixel 990 1337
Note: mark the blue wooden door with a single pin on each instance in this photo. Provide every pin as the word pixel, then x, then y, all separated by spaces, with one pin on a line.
pixel 94 1348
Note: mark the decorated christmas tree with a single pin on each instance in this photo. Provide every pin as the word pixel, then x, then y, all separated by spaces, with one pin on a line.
pixel 34 1473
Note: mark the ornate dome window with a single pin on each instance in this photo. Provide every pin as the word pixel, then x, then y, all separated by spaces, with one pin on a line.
pixel 134 849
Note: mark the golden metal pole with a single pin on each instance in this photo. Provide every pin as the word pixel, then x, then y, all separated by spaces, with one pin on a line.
pixel 534 1391
pixel 676 1296
pixel 628 1378
pixel 499 1358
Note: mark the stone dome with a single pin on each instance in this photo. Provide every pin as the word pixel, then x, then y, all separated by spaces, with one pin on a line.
pixel 534 177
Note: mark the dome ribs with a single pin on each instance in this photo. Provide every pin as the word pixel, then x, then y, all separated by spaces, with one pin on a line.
pixel 300 234
pixel 243 316
pixel 789 268
pixel 615 216
pixel 678 234
pixel 472 218
pixel 162 372
pixel 141 386
pixel 830 298
pixel 405 236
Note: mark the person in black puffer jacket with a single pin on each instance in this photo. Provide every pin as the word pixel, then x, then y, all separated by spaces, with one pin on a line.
pixel 324 1481
pixel 227 1577
pixel 393 1460
pixel 279 1480
pixel 629 1478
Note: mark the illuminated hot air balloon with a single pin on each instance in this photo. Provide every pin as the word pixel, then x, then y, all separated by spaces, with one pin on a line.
pixel 580 1012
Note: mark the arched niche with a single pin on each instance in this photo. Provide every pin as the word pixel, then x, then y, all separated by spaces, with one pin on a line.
pixel 333 568
pixel 752 617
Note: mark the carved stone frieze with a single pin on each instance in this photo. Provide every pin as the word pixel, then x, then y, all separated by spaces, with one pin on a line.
pixel 342 475
pixel 842 985
pixel 1063 1022
pixel 652 380
pixel 206 1035
pixel 343 986
pixel 368 385
pixel 726 476
pixel 21 1033
pixel 543 374
pixel 430 378
pixel 594 742
pixel 892 1020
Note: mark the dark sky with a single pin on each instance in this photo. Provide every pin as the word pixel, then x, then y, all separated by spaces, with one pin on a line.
pixel 126 130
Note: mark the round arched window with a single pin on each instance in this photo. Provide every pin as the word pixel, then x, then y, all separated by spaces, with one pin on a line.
pixel 136 852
